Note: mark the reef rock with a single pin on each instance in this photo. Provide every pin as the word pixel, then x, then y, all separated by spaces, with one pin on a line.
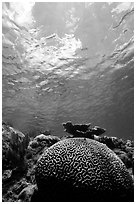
pixel 70 128
pixel 6 175
pixel 43 140
pixel 37 146
pixel 26 194
pixel 124 149
pixel 14 145
pixel 82 130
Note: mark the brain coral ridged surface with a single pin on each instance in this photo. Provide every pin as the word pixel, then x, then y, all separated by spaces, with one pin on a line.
pixel 81 169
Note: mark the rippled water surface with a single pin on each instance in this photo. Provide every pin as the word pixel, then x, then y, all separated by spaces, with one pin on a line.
pixel 68 61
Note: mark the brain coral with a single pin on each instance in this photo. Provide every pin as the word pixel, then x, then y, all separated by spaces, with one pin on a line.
pixel 79 169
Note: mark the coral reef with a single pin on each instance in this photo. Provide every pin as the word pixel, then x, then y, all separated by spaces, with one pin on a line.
pixel 18 182
pixel 21 153
pixel 26 193
pixel 124 149
pixel 14 145
pixel 76 167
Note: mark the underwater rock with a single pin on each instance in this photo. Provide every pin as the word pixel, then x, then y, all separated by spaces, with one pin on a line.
pixel 120 147
pixel 49 139
pixel 19 180
pixel 124 157
pixel 124 149
pixel 11 190
pixel 129 143
pixel 72 168
pixel 14 145
pixel 6 175
pixel 18 183
pixel 111 142
pixel 42 141
pixel 71 129
pixel 38 144
pixel 96 130
pixel 19 186
pixel 82 130
pixel 26 194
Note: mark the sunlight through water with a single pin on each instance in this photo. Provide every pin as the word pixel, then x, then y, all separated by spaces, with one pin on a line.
pixel 68 61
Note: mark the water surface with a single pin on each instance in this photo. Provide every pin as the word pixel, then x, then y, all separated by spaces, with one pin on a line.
pixel 68 61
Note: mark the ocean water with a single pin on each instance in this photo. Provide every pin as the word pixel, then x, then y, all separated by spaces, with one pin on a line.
pixel 68 61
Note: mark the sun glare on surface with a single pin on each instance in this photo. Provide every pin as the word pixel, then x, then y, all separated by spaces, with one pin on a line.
pixel 22 12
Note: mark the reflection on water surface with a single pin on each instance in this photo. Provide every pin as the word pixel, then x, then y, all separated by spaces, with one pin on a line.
pixel 68 61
